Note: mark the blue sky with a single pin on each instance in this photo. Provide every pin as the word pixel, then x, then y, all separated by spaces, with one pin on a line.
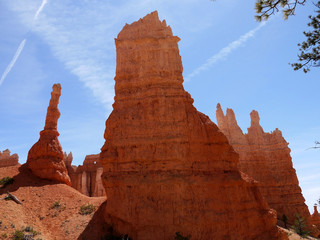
pixel 227 56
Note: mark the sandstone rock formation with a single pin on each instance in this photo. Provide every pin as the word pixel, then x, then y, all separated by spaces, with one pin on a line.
pixel 45 158
pixel 86 178
pixel 7 160
pixel 315 218
pixel 266 158
pixel 167 167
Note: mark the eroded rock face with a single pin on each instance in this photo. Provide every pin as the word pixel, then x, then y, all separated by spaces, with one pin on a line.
pixel 45 158
pixel 167 167
pixel 86 178
pixel 7 160
pixel 266 158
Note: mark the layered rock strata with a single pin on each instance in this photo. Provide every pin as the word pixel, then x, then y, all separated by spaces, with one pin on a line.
pixel 266 158
pixel 45 158
pixel 167 167
pixel 7 160
pixel 86 178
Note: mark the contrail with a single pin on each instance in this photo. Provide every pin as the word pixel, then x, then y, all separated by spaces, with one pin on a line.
pixel 21 46
pixel 224 52
pixel 13 61
pixel 40 9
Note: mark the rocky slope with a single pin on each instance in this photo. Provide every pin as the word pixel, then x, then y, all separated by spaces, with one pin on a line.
pixel 52 209
pixel 167 167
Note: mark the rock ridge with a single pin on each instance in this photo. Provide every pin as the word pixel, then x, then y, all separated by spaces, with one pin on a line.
pixel 266 158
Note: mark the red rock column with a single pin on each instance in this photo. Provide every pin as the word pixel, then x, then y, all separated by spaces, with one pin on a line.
pixel 315 218
pixel 45 158
pixel 167 167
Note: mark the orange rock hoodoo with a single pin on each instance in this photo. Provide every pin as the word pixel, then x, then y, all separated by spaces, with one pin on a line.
pixel 315 218
pixel 167 167
pixel 45 158
pixel 7 160
pixel 86 178
pixel 266 158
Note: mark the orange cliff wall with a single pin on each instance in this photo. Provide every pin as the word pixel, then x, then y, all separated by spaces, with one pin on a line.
pixel 266 158
pixel 7 160
pixel 167 167
pixel 86 178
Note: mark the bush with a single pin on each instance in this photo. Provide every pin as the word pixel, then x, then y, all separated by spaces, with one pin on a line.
pixel 6 181
pixel 25 233
pixel 300 226
pixel 18 235
pixel 181 237
pixel 4 235
pixel 285 220
pixel 56 204
pixel 87 209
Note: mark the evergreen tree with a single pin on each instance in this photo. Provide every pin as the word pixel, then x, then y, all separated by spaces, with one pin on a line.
pixel 309 51
pixel 300 226
pixel 309 55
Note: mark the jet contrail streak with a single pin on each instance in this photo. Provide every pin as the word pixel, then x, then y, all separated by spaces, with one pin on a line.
pixel 21 46
pixel 13 61
pixel 224 52
pixel 40 9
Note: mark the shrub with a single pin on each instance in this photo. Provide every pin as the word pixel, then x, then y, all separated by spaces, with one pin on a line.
pixel 56 204
pixel 4 235
pixel 87 209
pixel 181 237
pixel 18 235
pixel 6 181
pixel 300 226
pixel 285 220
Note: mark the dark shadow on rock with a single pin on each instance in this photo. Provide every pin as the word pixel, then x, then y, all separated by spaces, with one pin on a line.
pixel 25 178
pixel 97 228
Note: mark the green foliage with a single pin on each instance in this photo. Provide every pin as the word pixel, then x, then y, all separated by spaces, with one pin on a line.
pixel 55 205
pixel 18 235
pixel 285 220
pixel 309 55
pixel 181 237
pixel 4 235
pixel 300 226
pixel 25 233
pixel 87 209
pixel 265 8
pixel 6 181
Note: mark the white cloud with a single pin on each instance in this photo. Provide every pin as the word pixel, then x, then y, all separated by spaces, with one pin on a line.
pixel 13 61
pixel 81 34
pixel 224 52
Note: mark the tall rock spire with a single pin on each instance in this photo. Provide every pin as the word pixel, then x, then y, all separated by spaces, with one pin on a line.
pixel 45 158
pixel 53 112
pixel 167 167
